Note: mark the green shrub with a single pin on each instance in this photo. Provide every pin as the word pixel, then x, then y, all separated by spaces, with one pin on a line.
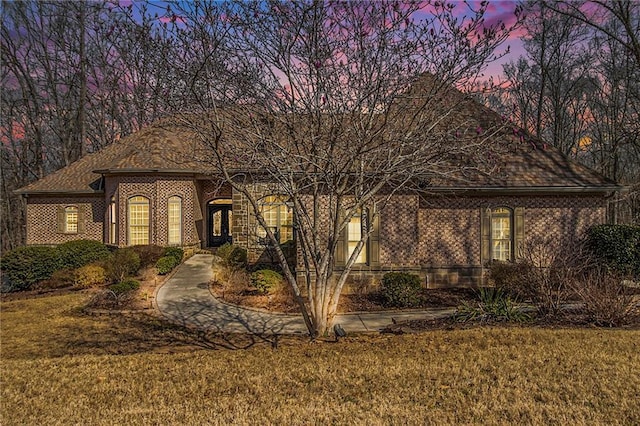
pixel 77 253
pixel 89 276
pixel 125 286
pixel 400 289
pixel 166 264
pixel 176 252
pixel 266 280
pixel 26 266
pixel 149 254
pixel 232 256
pixel 238 258
pixel 224 251
pixel 617 245
pixel 122 264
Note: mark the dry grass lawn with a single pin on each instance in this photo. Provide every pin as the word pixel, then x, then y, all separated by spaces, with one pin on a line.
pixel 60 366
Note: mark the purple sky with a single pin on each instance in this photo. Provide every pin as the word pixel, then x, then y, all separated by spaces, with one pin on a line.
pixel 502 10
pixel 497 10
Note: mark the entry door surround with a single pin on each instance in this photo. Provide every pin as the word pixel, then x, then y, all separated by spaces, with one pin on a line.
pixel 219 222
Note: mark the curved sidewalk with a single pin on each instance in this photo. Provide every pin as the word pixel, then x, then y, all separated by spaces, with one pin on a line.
pixel 185 299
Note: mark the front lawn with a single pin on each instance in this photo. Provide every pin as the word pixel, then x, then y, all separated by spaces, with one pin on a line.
pixel 61 366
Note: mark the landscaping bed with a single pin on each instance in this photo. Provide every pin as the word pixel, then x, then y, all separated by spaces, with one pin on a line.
pixel 115 279
pixel 239 292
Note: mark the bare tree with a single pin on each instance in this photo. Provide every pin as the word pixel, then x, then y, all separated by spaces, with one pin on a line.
pixel 590 12
pixel 75 77
pixel 338 106
pixel 578 88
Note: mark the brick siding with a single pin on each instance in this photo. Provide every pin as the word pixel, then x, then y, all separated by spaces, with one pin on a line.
pixel 42 222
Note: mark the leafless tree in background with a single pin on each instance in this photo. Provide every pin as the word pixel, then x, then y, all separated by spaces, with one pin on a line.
pixel 578 87
pixel 75 77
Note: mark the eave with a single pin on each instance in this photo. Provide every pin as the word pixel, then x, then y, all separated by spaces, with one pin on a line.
pixel 524 190
pixel 58 192
pixel 145 171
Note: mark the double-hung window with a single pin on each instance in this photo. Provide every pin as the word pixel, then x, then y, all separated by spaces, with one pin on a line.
pixel 138 216
pixel 174 219
pixel 71 220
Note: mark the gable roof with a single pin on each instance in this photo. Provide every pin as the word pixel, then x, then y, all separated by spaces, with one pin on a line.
pixel 526 165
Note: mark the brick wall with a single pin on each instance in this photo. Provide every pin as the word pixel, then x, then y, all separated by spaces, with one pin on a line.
pixel 158 189
pixel 42 218
pixel 449 228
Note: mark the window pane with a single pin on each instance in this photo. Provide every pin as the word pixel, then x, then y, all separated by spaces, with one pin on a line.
pixel 217 223
pixel 501 234
pixel 138 221
pixel 278 217
pixel 354 234
pixel 175 220
pixel 71 219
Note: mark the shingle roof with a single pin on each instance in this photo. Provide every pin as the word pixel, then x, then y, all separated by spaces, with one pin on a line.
pixel 153 148
pixel 169 148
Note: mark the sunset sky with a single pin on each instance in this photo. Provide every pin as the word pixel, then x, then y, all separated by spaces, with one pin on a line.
pixel 498 10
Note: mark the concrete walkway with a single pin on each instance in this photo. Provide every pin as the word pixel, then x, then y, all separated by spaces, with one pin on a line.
pixel 185 299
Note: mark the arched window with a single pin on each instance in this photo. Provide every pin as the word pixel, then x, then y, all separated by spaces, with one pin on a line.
pixel 278 214
pixel 113 238
pixel 138 218
pixel 502 230
pixel 502 234
pixel 71 220
pixel 174 219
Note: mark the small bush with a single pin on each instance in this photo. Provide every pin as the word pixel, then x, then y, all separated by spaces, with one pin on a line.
pixel 77 253
pixel 122 264
pixel 166 264
pixel 224 251
pixel 59 279
pixel 618 246
pixel 237 258
pixel 494 304
pixel 89 276
pixel 271 266
pixel 515 278
pixel 400 289
pixel 232 256
pixel 607 301
pixel 26 266
pixel 266 280
pixel 149 254
pixel 176 252
pixel 124 286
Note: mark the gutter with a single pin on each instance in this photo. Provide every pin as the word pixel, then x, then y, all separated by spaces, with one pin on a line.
pixel 140 171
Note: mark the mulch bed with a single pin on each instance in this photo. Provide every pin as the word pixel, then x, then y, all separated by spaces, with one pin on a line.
pixel 283 301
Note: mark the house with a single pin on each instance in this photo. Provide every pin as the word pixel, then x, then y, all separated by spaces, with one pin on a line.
pixel 152 188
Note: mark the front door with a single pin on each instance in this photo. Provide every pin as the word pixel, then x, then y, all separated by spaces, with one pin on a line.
pixel 220 219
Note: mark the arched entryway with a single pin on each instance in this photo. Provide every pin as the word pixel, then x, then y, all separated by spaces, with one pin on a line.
pixel 219 222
